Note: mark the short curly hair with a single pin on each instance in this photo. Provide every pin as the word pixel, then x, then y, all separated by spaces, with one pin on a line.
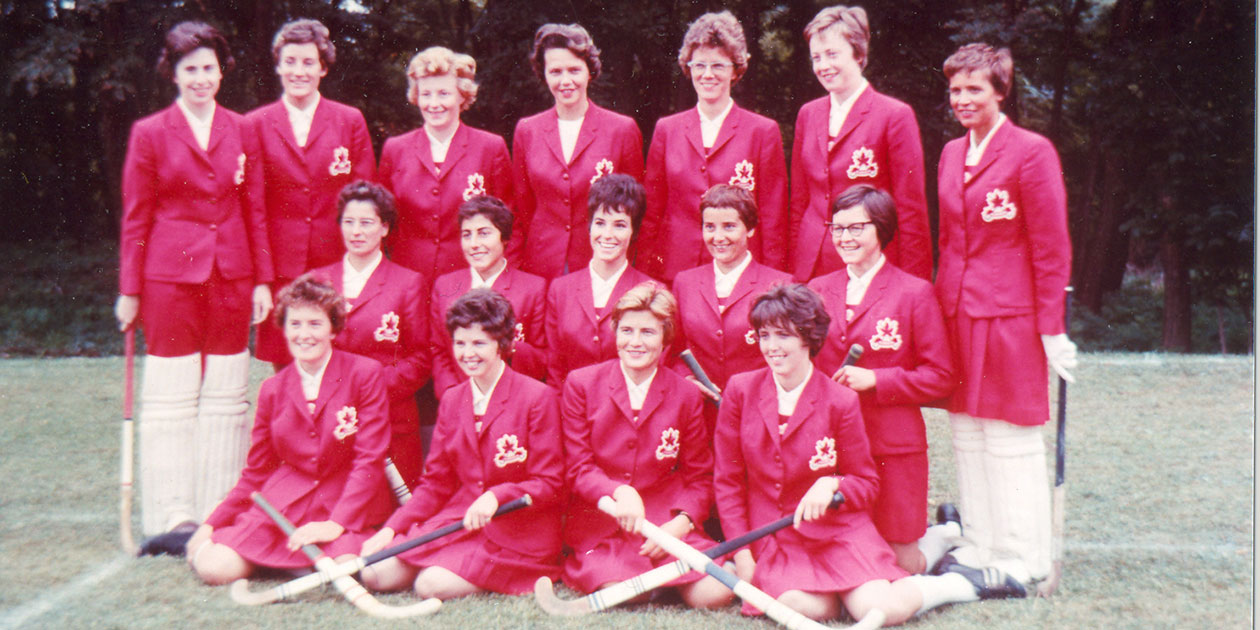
pixel 796 308
pixel 731 196
pixel 571 37
pixel 978 57
pixel 493 209
pixel 852 25
pixel 377 195
pixel 487 309
pixel 315 292
pixel 721 31
pixel 305 31
pixel 437 61
pixel 651 297
pixel 186 37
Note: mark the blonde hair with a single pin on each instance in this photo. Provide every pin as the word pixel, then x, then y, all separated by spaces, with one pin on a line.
pixel 651 297
pixel 853 27
pixel 437 61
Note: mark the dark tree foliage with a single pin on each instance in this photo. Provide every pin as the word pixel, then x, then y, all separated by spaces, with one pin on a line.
pixel 1150 102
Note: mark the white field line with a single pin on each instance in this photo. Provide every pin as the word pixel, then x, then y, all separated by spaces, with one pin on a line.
pixel 14 618
pixel 1161 359
pixel 1217 549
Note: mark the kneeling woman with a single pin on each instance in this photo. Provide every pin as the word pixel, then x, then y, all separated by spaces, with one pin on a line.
pixel 497 438
pixel 319 443
pixel 788 437
pixel 634 432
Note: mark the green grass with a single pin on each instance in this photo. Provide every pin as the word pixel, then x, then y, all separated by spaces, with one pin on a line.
pixel 1160 526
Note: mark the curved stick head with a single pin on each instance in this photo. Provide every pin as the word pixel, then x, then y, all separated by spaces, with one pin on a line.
pixel 545 595
pixel 240 593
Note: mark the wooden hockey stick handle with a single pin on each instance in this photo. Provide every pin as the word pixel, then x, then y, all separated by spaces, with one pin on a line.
pixel 698 372
pixel 347 586
pixel 127 453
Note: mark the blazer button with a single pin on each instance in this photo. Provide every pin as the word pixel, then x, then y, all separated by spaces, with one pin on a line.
pixel 564 176
pixel 626 476
pixel 568 228
pixel 703 168
pixel 436 192
pixel 312 434
pixel 210 175
pixel 719 333
pixel 634 443
pixel 213 226
pixel 595 338
pixel 306 189
pixel 308 219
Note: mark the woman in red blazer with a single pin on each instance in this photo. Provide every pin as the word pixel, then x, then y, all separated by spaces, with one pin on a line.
pixel 433 169
pixel 385 318
pixel 1005 262
pixel 318 451
pixel 894 316
pixel 718 142
pixel 194 269
pixel 788 438
pixel 579 304
pixel 557 154
pixel 311 147
pixel 633 432
pixel 485 230
pixel 497 438
pixel 854 135
pixel 714 298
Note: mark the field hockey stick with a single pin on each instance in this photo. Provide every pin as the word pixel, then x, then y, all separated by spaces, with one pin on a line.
pixel 1057 516
pixel 346 585
pixel 396 483
pixel 855 353
pixel 698 372
pixel 241 594
pixel 621 592
pixel 127 454
pixel 773 608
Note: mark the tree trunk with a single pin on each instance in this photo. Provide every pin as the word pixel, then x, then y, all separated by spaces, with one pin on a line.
pixel 1176 294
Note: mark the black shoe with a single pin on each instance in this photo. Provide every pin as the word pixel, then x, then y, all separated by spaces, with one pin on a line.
pixel 990 583
pixel 172 543
pixel 948 513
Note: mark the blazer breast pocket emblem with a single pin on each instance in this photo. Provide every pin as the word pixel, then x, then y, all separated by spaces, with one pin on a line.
pixel 509 451
pixel 341 162
pixel 743 176
pixel 886 336
pixel 998 206
pixel 347 423
pixel 863 164
pixel 824 454
pixel 476 186
pixel 388 330
pixel 669 445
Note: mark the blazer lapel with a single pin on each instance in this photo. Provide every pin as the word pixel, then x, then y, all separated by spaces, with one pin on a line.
pixel 657 393
pixel 319 121
pixel 729 128
pixel 857 114
pixel 804 406
pixel 218 128
pixel 588 132
pixel 178 125
pixel 376 282
pixel 551 136
pixel 768 407
pixel 501 399
pixel 292 386
pixel 708 292
pixel 618 393
pixel 748 282
pixel 331 385
pixel 278 117
pixel 586 298
pixel 877 289
pixel 424 152
pixel 991 152
pixel 455 153
pixel 691 129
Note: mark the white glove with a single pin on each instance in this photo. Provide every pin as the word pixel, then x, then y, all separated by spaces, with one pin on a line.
pixel 1061 353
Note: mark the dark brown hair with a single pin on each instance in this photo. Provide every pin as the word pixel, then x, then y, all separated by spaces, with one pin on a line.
pixel 721 31
pixel 879 206
pixel 186 37
pixel 617 192
pixel 305 31
pixel 731 196
pixel 792 307
pixel 571 37
pixel 494 210
pixel 995 63
pixel 487 309
pixel 376 194
pixel 314 292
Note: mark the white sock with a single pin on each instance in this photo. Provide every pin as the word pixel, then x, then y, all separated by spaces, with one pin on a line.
pixel 937 540
pixel 222 428
pixel 939 590
pixel 168 428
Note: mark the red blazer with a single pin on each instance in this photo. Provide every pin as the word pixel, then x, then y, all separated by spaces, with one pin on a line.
pixel 387 322
pixel 662 451
pixel 518 451
pixel 1004 242
pixel 186 211
pixel 427 236
pixel 887 128
pixel 748 151
pixel 526 293
pixel 900 327
pixel 576 333
pixel 761 475
pixel 296 456
pixel 298 190
pixel 551 210
pixel 723 342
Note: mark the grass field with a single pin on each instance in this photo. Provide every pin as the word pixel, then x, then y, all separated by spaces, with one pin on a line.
pixel 1160 519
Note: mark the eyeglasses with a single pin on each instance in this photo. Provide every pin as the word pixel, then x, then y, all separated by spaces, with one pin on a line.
pixel 701 67
pixel 854 229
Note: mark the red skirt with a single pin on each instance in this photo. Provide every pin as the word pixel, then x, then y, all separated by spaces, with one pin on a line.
pixel 900 510
pixel 259 540
pixel 616 559
pixel 481 561
pixel 789 561
pixel 1003 369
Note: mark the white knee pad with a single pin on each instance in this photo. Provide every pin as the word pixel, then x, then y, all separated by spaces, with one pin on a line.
pixel 973 488
pixel 168 429
pixel 222 428
pixel 1015 463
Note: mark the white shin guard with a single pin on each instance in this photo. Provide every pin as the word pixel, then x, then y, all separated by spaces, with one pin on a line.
pixel 222 428
pixel 973 489
pixel 168 429
pixel 1015 464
